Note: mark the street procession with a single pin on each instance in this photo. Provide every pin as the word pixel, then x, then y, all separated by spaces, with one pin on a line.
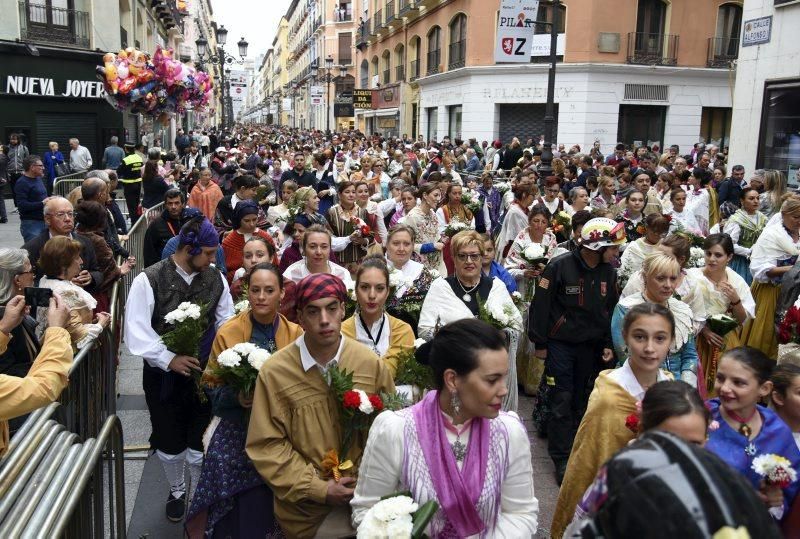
pixel 400 269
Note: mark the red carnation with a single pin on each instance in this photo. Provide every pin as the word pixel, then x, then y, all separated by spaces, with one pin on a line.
pixel 351 399
pixel 376 402
pixel 632 423
pixel 365 231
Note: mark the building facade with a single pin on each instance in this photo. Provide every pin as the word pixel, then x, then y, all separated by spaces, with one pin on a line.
pixel 635 71
pixel 766 106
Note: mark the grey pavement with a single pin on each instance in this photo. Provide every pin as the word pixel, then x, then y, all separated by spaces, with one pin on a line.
pixel 9 232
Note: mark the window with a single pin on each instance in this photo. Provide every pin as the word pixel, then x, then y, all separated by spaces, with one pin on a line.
pixel 375 68
pixel 545 14
pixel 346 49
pixel 715 126
pixel 364 74
pixel 345 84
pixel 400 62
pixel 434 52
pixel 416 52
pixel 454 121
pixel 386 58
pixel 649 44
pixel 432 114
pixel 729 26
pixel 651 16
pixel 779 141
pixel 458 42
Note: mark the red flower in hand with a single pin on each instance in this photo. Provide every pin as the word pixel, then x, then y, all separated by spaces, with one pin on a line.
pixel 632 423
pixel 376 402
pixel 365 231
pixel 351 399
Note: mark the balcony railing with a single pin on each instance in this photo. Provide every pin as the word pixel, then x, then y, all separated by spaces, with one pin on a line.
pixel 722 51
pixel 389 11
pixel 652 49
pixel 377 22
pixel 45 24
pixel 406 5
pixel 458 52
pixel 387 76
pixel 414 70
pixel 362 35
pixel 400 73
pixel 433 61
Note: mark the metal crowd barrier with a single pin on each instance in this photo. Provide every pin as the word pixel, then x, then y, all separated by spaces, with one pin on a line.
pixel 51 484
pixel 135 243
pixel 64 184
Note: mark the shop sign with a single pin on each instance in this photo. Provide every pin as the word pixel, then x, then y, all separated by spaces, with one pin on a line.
pixel 541 45
pixel 343 110
pixel 273 108
pixel 362 99
pixel 757 31
pixel 387 123
pixel 47 87
pixel 316 93
pixel 514 36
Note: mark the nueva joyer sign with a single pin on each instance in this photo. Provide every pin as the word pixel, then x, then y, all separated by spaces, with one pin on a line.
pixel 47 87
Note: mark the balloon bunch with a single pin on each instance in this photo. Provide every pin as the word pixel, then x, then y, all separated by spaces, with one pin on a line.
pixel 157 86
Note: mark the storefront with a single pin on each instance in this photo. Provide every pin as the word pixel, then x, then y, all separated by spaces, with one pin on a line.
pixel 383 117
pixel 592 102
pixel 54 95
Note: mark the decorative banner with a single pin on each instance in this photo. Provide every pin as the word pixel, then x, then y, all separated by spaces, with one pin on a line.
pixel 362 99
pixel 757 31
pixel 316 93
pixel 515 31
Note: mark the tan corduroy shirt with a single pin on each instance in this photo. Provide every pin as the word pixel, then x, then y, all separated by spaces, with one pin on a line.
pixel 295 421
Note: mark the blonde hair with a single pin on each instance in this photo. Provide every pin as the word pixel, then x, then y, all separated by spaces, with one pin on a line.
pixel 303 195
pixel 775 186
pixel 659 263
pixel 558 166
pixel 52 143
pixel 465 238
pixel 791 205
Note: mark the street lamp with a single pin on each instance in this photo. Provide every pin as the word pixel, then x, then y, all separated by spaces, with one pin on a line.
pixel 545 167
pixel 328 77
pixel 222 58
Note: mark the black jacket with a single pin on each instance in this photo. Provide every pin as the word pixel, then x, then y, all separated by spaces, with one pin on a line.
pixel 573 302
pixel 729 190
pixel 306 179
pixel 34 248
pixel 156 237
pixel 510 158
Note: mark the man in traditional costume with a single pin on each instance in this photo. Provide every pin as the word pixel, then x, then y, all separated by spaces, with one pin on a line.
pixel 569 322
pixel 294 420
pixel 177 415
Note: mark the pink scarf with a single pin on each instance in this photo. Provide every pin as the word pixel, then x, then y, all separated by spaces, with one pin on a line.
pixel 456 491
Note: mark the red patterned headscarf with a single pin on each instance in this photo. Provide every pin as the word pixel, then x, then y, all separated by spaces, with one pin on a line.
pixel 319 286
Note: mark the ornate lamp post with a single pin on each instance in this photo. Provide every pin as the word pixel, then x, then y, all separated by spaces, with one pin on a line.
pixel 328 78
pixel 222 58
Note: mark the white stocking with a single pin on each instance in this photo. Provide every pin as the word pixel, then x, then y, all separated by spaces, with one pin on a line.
pixel 174 471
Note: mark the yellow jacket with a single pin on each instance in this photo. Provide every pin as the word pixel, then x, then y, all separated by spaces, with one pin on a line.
pixel 401 337
pixel 46 379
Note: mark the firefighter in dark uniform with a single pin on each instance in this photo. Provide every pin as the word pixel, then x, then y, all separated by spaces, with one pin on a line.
pixel 130 176
pixel 570 325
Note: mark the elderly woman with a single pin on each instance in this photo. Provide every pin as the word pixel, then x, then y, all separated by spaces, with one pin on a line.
pixel 205 195
pixel 46 377
pixel 462 295
pixel 406 299
pixel 660 276
pixel 214 511
pixel 382 333
pixel 16 274
pixel 774 253
pixel 60 260
pixel 245 217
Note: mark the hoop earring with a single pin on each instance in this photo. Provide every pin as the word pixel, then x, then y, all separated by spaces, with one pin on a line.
pixel 455 402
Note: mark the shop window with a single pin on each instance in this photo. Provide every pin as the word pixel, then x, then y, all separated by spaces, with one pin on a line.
pixel 715 126
pixel 779 141
pixel 433 122
pixel 454 121
pixel 641 125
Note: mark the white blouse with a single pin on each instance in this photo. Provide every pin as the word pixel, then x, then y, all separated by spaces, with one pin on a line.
pixel 299 269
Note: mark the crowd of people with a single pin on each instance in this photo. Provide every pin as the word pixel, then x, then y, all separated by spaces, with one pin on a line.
pixel 632 295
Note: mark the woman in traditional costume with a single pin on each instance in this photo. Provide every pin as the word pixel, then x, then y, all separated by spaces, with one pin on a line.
pixel 681 217
pixel 723 292
pixel 660 275
pixel 655 229
pixel 422 220
pixel 244 221
pixel 774 253
pixel 702 200
pixel 255 251
pixel 748 430
pixel 535 233
pixel 461 296
pixel 343 219
pixel 515 218
pixel 744 227
pixel 632 216
pixel 382 333
pixel 455 446
pixel 316 244
pixel 648 331
pixel 451 210
pixel 231 498
pixel 279 215
pixel 405 301
pixel 374 216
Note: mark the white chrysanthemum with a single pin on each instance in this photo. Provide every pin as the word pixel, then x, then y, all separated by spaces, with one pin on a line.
pixel 533 251
pixel 193 312
pixel 178 316
pixel 244 348
pixel 397 279
pixel 400 527
pixel 434 274
pixel 774 467
pixel 185 305
pixel 257 358
pixel 516 295
pixel 371 527
pixel 169 318
pixel 241 306
pixel 229 358
pixel 365 406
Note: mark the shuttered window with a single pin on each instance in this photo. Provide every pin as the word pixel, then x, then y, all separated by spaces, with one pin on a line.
pixel 345 49
pixel 60 127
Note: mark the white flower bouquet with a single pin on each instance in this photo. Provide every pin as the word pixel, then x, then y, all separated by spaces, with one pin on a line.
pixel 775 469
pixel 534 254
pixel 189 323
pixel 241 306
pixel 238 367
pixel 397 517
pixel 500 314
pixel 697 258
pixel 398 280
pixel 454 227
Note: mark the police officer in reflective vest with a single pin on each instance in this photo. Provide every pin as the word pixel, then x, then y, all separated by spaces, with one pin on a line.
pixel 130 175
pixel 570 324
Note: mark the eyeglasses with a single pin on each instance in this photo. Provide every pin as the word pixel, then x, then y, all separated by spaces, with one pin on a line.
pixel 63 214
pixel 473 257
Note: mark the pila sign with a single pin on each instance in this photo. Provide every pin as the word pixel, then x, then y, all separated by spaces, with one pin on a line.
pixel 48 87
